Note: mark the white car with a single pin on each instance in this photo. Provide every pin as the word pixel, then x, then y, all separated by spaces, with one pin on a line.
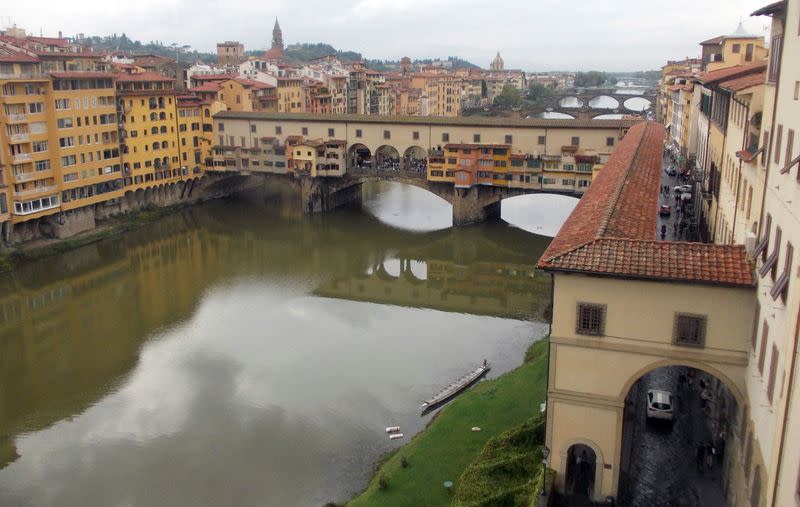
pixel 683 188
pixel 659 405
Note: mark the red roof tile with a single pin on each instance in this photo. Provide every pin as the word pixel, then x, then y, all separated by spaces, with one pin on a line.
pixel 744 82
pixel 727 73
pixel 213 77
pixel 611 230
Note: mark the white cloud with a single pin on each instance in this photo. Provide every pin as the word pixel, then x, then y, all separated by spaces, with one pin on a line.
pixel 549 34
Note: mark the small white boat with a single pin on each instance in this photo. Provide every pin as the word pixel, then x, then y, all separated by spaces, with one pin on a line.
pixel 392 429
pixel 454 388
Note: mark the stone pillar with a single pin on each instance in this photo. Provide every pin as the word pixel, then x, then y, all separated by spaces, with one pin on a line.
pixel 473 205
pixel 317 196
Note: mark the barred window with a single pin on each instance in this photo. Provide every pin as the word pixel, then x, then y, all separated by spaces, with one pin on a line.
pixel 689 330
pixel 590 319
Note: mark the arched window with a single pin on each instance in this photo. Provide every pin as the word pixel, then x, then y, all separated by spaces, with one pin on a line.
pixel 152 102
pixel 163 130
pixel 162 116
pixel 154 130
pixel 156 146
pixel 153 116
pixel 163 144
pixel 161 102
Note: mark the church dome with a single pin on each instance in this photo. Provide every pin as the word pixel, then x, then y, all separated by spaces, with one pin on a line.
pixel 497 63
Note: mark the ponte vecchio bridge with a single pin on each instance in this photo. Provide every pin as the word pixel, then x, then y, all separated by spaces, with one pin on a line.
pixel 472 163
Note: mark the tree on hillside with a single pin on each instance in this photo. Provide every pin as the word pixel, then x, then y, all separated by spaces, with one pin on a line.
pixel 591 78
pixel 538 92
pixel 509 97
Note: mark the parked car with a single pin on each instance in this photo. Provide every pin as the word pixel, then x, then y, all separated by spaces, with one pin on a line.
pixel 670 171
pixel 665 210
pixel 659 405
pixel 683 188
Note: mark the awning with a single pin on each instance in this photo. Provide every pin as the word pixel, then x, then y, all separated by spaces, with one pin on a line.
pixel 749 157
pixel 790 164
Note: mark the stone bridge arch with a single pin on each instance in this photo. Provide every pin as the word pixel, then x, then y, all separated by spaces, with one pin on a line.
pixel 594 98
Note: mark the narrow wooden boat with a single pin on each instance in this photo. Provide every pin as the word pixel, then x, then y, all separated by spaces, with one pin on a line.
pixel 454 388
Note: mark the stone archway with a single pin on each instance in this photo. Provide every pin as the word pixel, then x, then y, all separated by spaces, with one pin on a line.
pixel 677 418
pixel 359 157
pixel 580 474
pixel 387 158
pixel 415 159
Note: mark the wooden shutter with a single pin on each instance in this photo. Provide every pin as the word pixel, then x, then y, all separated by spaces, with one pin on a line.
pixel 773 370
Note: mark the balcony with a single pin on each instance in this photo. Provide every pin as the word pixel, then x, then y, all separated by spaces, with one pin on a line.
pixel 25 176
pixel 16 118
pixel 21 157
pixel 32 191
pixel 23 137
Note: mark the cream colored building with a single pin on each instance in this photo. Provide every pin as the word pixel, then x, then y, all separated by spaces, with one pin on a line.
pixel 746 292
pixel 608 272
pixel 772 431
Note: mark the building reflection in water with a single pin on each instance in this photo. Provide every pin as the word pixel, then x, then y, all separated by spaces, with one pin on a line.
pixel 71 327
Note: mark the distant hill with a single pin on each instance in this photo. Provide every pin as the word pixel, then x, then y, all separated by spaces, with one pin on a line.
pixel 296 53
pixel 124 43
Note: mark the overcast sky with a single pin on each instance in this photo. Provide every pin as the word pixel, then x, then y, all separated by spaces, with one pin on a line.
pixel 533 35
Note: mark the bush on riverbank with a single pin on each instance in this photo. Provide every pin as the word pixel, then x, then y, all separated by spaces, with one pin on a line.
pixel 507 471
pixel 447 447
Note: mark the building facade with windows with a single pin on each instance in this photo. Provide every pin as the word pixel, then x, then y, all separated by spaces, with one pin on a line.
pixel 549 155
pixel 149 129
pixel 608 270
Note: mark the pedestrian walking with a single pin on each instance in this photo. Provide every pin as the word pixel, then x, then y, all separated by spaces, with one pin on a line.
pixel 701 456
pixel 709 456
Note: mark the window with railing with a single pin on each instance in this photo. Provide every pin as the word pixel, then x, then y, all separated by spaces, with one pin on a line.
pixel 590 319
pixel 774 59
pixel 689 330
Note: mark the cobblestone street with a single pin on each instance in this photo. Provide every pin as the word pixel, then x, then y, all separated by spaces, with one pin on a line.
pixel 662 457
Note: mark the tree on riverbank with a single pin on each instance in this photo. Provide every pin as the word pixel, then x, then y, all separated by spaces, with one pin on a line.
pixel 591 78
pixel 509 97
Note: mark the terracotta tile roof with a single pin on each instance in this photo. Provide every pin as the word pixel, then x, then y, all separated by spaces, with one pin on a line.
pixel 213 77
pixel 728 73
pixel 660 260
pixel 611 230
pixel 273 54
pixel 434 120
pixel 715 40
pixel 770 9
pixel 741 83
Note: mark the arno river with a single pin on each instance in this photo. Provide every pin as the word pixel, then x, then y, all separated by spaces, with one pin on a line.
pixel 239 353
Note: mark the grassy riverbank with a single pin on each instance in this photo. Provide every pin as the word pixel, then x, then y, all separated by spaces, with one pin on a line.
pixel 448 446
pixel 38 249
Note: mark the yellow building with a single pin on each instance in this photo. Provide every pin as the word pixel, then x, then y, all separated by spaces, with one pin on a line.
pixel 316 158
pixel 196 132
pixel 718 100
pixel 736 49
pixel 291 97
pixel 59 132
pixel 89 168
pixel 147 105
